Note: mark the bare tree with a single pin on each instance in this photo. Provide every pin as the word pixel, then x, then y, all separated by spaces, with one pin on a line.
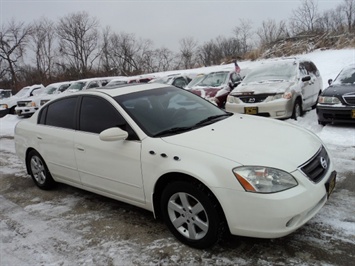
pixel 228 48
pixel 105 56
pixel 128 54
pixel 43 44
pixel 13 41
pixel 305 18
pixel 332 20
pixel 78 41
pixel 165 59
pixel 188 47
pixel 349 9
pixel 270 31
pixel 207 54
pixel 244 35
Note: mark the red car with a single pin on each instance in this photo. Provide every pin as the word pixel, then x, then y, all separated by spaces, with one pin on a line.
pixel 216 86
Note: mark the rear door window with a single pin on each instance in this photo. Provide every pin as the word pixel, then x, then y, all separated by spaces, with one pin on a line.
pixel 60 113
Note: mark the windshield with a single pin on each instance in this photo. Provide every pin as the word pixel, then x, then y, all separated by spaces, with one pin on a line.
pixel 195 81
pixel 50 89
pixel 285 71
pixel 63 87
pixel 77 86
pixel 215 79
pixel 5 94
pixel 23 92
pixel 167 111
pixel 346 76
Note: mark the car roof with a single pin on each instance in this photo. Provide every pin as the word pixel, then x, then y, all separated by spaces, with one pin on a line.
pixel 126 89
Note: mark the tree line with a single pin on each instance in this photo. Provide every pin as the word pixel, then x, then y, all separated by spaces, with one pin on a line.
pixel 76 47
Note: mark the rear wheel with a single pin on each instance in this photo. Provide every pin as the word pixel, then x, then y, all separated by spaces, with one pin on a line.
pixel 297 110
pixel 191 214
pixel 39 171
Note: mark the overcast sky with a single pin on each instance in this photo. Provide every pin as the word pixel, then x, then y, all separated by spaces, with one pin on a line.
pixel 164 22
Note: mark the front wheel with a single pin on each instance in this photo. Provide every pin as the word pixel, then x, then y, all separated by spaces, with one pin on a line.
pixel 39 171
pixel 190 212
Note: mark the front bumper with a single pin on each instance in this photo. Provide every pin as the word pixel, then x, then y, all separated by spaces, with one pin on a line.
pixel 280 109
pixel 335 114
pixel 25 111
pixel 277 214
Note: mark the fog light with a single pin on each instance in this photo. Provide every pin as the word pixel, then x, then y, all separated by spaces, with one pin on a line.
pixel 279 113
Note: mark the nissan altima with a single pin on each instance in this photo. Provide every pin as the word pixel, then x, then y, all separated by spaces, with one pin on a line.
pixel 206 172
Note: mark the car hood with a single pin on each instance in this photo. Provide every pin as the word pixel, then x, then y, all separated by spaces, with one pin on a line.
pixel 339 90
pixel 264 87
pixel 251 140
pixel 206 92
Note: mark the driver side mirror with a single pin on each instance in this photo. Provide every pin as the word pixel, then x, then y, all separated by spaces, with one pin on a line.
pixel 330 81
pixel 113 134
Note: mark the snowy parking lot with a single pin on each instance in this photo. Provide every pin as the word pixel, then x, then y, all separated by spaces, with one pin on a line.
pixel 69 226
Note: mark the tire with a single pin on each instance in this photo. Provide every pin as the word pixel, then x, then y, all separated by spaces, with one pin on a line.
pixel 39 171
pixel 12 110
pixel 322 123
pixel 315 105
pixel 297 110
pixel 191 214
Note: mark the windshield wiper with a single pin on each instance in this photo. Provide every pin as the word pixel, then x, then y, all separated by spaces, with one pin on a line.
pixel 212 118
pixel 173 130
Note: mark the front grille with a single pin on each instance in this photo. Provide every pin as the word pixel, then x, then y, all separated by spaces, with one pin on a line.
pixel 253 98
pixel 316 167
pixel 22 103
pixel 349 99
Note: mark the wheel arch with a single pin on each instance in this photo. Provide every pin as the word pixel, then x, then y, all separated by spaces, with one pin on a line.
pixel 26 159
pixel 168 178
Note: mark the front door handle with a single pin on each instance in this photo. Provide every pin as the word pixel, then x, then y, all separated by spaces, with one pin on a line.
pixel 79 148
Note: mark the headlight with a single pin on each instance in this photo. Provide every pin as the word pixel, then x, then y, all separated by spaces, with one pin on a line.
pixel 230 99
pixel 4 106
pixel 328 100
pixel 30 104
pixel 264 179
pixel 286 95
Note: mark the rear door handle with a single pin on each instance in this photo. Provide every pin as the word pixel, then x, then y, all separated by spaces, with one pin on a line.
pixel 39 137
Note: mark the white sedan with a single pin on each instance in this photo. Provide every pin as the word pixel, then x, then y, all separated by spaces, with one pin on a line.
pixel 204 171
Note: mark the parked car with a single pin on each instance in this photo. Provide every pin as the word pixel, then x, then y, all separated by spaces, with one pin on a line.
pixel 177 80
pixel 201 169
pixel 216 86
pixel 129 80
pixel 26 107
pixel 5 93
pixel 8 105
pixel 281 88
pixel 336 104
pixel 84 84
pixel 195 80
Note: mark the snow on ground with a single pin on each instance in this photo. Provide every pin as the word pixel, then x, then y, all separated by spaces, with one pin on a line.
pixel 35 223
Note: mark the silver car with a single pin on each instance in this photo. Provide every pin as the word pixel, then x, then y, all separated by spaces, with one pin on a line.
pixel 280 88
